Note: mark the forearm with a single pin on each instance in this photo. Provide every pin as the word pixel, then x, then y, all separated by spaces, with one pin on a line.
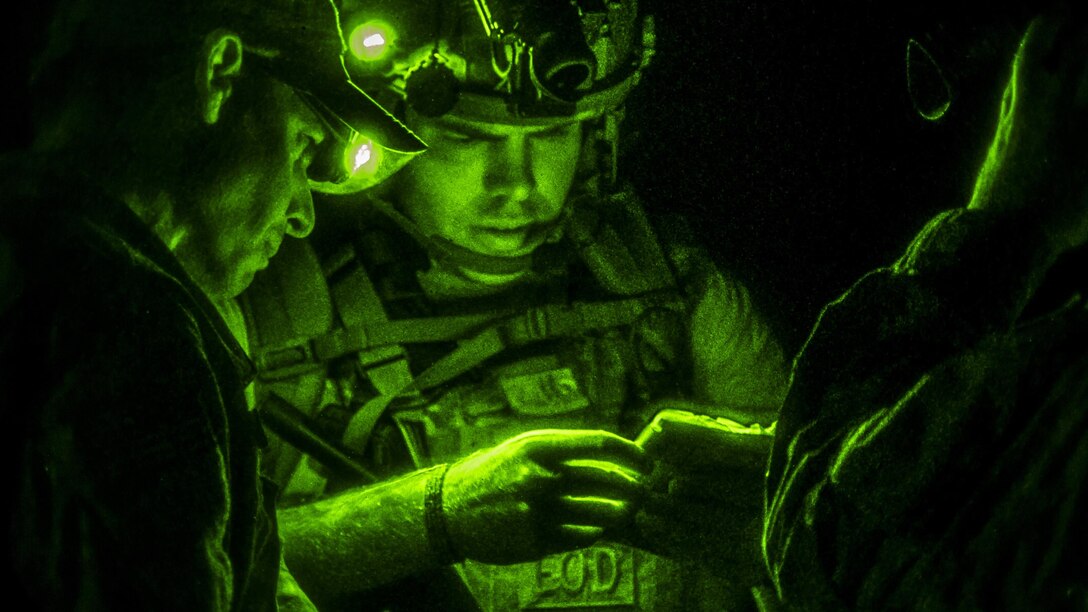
pixel 360 539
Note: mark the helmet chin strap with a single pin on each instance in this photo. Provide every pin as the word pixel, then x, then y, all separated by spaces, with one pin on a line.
pixel 456 258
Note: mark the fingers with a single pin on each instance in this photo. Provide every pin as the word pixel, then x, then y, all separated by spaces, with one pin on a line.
pixel 587 492
pixel 551 447
pixel 592 477
pixel 567 537
pixel 589 511
pixel 589 497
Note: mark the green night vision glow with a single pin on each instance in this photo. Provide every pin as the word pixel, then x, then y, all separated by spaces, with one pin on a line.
pixel 362 156
pixel 594 499
pixel 930 91
pixel 999 147
pixel 370 41
pixel 607 466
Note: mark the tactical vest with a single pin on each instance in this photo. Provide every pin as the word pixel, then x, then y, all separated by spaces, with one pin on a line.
pixel 340 328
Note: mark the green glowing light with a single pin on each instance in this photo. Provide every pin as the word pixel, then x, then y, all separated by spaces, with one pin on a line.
pixel 362 156
pixel 370 41
pixel 595 500
pixel 999 147
pixel 929 89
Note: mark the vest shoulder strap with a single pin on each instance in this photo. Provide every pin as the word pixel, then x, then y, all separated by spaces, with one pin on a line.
pixel 619 245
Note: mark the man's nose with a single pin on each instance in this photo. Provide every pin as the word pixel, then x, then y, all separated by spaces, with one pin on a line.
pixel 300 212
pixel 510 171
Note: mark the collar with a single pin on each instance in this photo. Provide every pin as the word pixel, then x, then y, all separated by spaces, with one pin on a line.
pixel 81 196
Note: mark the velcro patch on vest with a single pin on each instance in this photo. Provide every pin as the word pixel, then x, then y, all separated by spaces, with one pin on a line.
pixel 598 576
pixel 544 393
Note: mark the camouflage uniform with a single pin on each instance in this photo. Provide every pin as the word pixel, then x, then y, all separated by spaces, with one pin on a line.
pixel 609 321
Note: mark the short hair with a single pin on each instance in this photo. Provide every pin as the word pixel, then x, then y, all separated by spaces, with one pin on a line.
pixel 113 54
pixel 114 93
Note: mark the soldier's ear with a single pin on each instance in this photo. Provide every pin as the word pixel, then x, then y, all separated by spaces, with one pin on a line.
pixel 219 65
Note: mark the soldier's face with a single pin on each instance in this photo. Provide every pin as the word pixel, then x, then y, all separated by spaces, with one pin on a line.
pixel 260 194
pixel 492 188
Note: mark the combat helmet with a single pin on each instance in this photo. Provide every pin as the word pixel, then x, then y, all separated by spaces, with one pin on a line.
pixel 503 61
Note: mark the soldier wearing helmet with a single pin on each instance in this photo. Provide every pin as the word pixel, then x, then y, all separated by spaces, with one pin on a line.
pixel 494 318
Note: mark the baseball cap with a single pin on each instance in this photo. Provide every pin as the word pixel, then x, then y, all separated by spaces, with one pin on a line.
pixel 300 43
pixel 297 42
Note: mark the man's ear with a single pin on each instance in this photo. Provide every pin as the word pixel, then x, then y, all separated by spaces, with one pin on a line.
pixel 220 64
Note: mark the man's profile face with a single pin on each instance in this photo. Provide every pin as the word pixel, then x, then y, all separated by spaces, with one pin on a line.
pixel 492 188
pixel 261 193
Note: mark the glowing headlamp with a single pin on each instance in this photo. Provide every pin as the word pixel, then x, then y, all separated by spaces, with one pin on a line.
pixel 371 41
pixel 362 163
pixel 349 161
pixel 346 161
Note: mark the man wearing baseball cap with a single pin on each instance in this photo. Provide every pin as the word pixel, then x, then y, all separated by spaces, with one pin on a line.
pixel 176 146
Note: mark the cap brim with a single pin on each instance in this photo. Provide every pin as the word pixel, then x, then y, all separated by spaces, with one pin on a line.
pixel 353 115
pixel 307 52
pixel 362 114
pixel 353 159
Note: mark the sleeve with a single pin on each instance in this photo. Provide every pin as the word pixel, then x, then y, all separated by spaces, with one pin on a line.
pixel 131 464
pixel 891 370
pixel 737 361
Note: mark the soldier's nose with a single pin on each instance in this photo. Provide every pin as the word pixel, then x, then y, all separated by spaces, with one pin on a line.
pixel 510 176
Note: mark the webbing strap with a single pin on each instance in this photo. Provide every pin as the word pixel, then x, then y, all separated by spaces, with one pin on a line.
pixel 487 334
pixel 619 246
pixel 379 343
pixel 443 250
pixel 535 325
pixel 359 308
pixel 366 336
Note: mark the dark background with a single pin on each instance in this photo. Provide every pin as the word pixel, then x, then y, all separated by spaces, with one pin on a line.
pixel 784 129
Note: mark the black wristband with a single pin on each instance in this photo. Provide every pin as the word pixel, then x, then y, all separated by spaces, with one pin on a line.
pixel 434 517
